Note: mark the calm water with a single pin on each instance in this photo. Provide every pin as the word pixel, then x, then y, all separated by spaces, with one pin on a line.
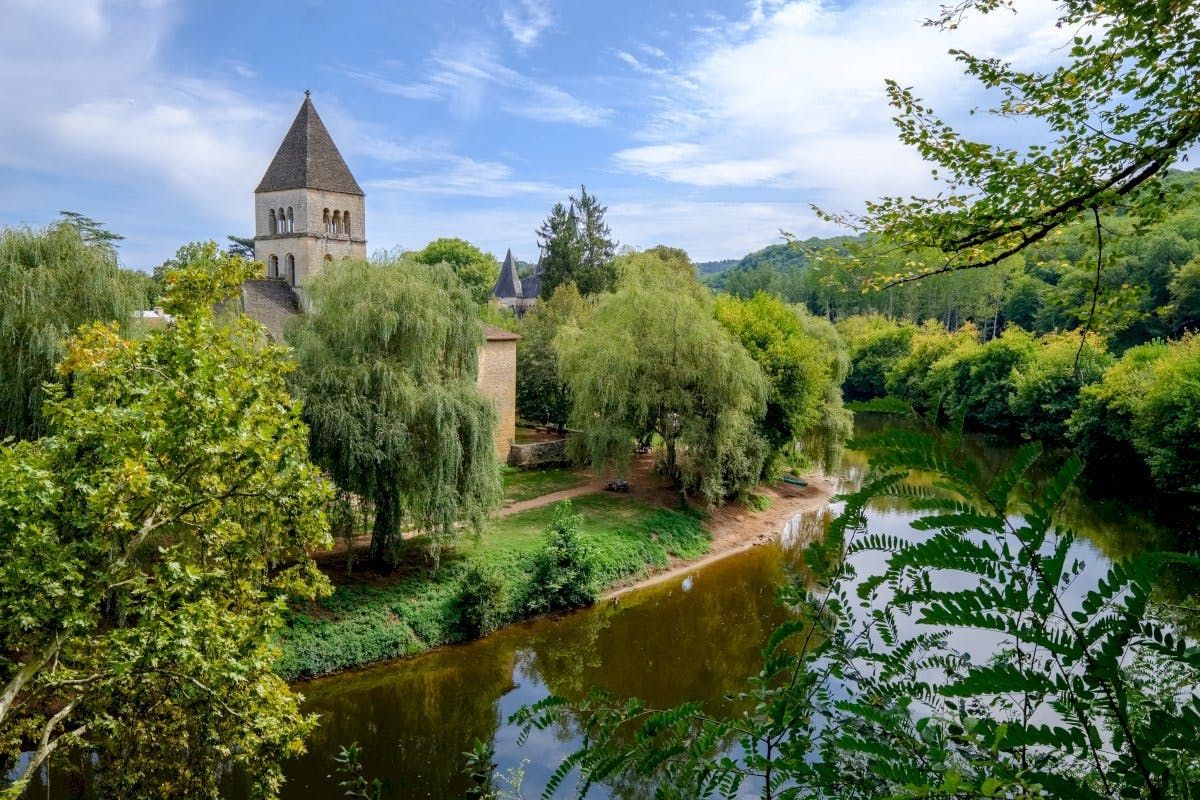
pixel 697 637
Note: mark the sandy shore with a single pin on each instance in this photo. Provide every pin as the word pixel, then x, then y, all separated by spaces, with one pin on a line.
pixel 735 528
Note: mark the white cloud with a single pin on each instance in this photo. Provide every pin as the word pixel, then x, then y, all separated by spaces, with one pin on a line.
pixel 527 20
pixel 471 78
pixel 466 177
pixel 792 96
pixel 89 103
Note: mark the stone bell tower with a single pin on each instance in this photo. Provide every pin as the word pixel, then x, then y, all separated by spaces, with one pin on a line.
pixel 308 209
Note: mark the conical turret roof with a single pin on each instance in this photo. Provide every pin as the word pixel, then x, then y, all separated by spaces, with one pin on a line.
pixel 308 158
pixel 509 282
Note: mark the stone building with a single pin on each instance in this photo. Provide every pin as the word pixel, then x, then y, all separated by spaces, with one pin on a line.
pixel 309 211
pixel 514 292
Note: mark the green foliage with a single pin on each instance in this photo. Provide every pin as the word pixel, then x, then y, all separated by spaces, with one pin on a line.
pixel 577 247
pixel 564 574
pixel 956 667
pixel 987 378
pixel 1166 422
pixel 480 768
pixel 541 395
pixel 151 541
pixel 52 281
pixel 476 269
pixel 652 360
pixel 353 783
pixel 483 603
pixel 920 376
pixel 1140 418
pixel 386 372
pixel 798 366
pixel 1046 390
pixel 1098 155
pixel 875 343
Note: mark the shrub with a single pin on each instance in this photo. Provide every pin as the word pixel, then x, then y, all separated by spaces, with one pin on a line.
pixel 875 343
pixel 483 601
pixel 1046 389
pixel 564 574
pixel 1102 426
pixel 1166 423
pixel 909 377
pixel 984 379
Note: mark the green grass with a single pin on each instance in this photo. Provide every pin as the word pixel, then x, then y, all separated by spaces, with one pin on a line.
pixel 418 610
pixel 522 484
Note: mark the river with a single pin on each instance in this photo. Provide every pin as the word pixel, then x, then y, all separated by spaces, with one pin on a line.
pixel 697 637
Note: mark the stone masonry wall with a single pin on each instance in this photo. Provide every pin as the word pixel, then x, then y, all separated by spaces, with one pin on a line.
pixel 538 454
pixel 498 381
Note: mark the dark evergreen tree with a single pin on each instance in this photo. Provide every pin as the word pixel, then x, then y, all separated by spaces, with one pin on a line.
pixel 577 247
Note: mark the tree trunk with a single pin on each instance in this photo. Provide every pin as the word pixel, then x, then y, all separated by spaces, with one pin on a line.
pixel 386 528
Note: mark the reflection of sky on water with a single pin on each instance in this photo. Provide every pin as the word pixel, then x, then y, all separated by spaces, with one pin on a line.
pixel 698 636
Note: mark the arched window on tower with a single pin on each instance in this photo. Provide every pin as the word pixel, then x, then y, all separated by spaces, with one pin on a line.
pixel 291 269
pixel 273 263
pixel 291 225
pixel 282 222
pixel 272 226
pixel 346 222
pixel 337 222
pixel 328 220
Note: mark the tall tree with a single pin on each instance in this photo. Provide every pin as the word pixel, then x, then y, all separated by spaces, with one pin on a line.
pixel 51 281
pixel 577 247
pixel 151 540
pixel 597 248
pixel 652 361
pixel 387 356
pixel 475 268
pixel 541 394
pixel 240 246
pixel 797 365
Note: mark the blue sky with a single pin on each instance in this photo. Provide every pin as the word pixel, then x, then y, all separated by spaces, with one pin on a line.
pixel 705 125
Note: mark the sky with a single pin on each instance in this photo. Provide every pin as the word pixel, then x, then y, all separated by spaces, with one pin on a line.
pixel 711 126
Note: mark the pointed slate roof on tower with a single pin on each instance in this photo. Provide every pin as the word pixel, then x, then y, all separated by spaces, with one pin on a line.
pixel 308 158
pixel 508 285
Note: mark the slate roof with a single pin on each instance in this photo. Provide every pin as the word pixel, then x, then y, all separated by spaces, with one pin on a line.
pixel 531 285
pixel 308 158
pixel 509 283
pixel 272 302
pixel 495 334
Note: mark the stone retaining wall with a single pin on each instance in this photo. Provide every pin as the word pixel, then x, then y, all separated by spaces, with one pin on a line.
pixel 538 454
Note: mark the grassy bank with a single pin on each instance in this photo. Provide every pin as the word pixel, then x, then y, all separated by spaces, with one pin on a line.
pixel 527 484
pixel 417 609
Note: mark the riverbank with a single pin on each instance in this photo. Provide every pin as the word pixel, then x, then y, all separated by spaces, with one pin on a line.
pixel 636 539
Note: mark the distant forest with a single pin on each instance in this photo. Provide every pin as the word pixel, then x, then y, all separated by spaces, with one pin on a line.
pixel 1150 285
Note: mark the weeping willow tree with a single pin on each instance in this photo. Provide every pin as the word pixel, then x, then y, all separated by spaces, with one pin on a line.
pixel 653 361
pixel 52 281
pixel 386 363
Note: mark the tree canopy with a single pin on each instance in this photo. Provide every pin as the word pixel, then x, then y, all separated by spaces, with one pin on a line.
pixel 541 394
pixel 387 356
pixel 476 269
pixel 52 281
pixel 653 361
pixel 577 247
pixel 151 540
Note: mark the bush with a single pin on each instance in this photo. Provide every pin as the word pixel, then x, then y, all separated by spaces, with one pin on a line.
pixel 1046 389
pixel 876 343
pixel 1102 426
pixel 910 377
pixel 983 379
pixel 1166 423
pixel 564 574
pixel 483 602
